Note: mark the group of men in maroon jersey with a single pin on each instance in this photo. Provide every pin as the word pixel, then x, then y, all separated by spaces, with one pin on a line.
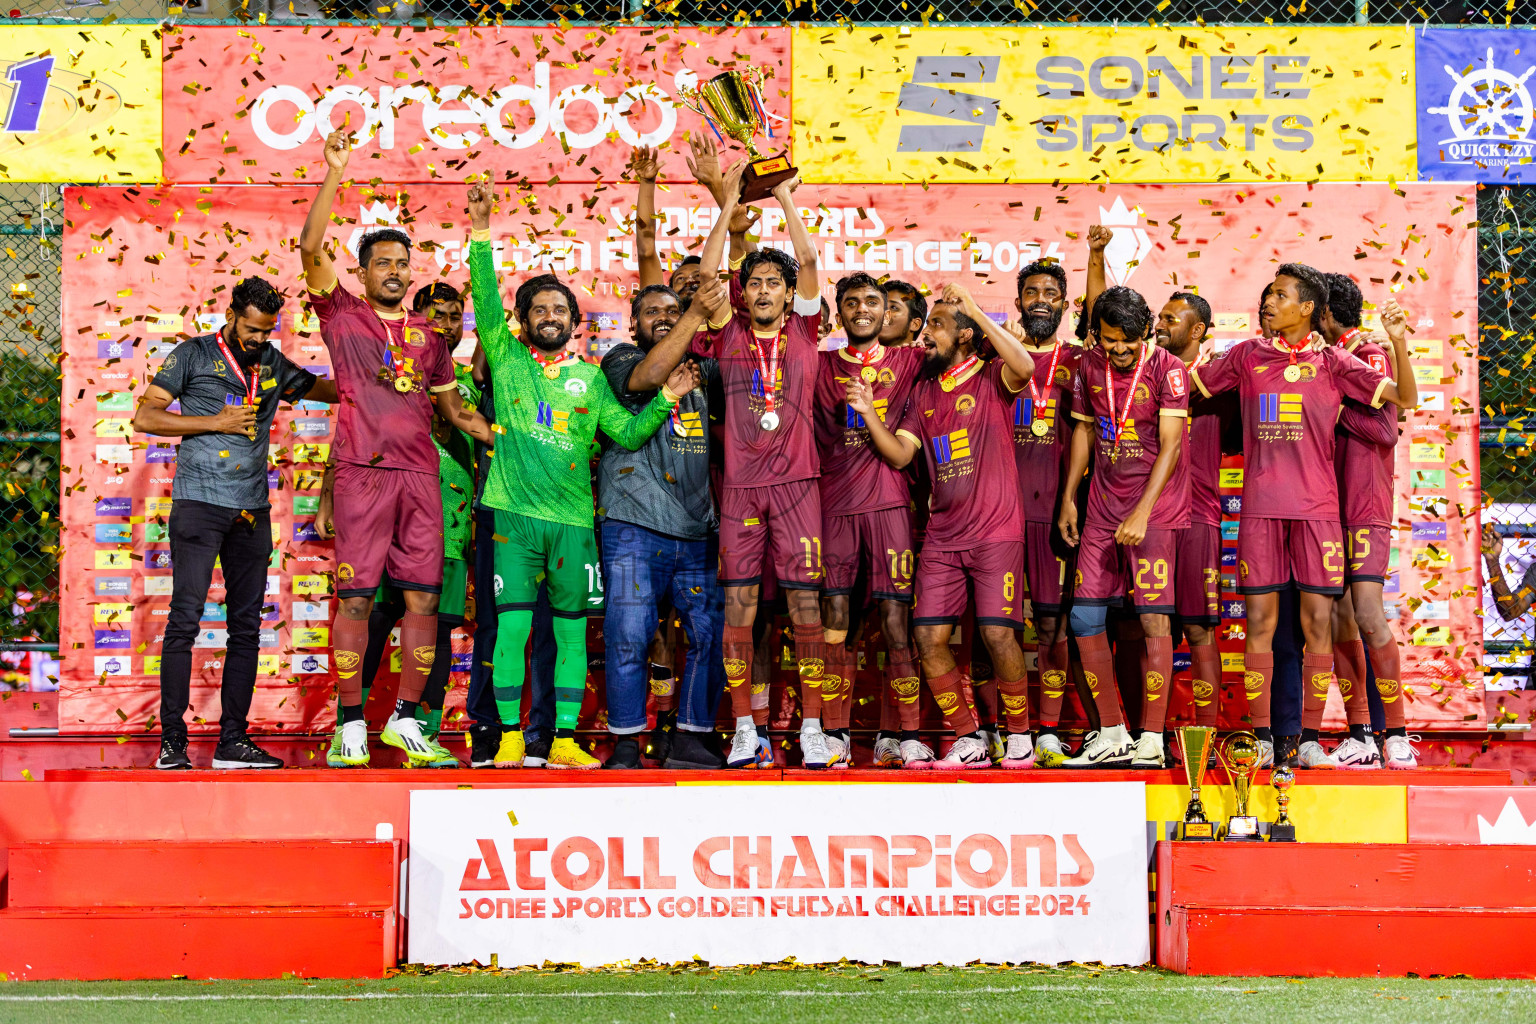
pixel 1008 421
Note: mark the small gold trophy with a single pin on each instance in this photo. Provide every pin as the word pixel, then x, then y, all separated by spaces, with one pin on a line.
pixel 1239 754
pixel 732 103
pixel 1195 744
pixel 1284 829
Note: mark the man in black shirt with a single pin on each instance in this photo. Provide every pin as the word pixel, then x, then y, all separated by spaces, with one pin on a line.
pixel 229 384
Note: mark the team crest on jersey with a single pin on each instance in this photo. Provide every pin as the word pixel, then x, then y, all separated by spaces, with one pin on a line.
pixel 965 404
pixel 1242 568
pixel 1203 690
pixel 1143 393
pixel 344 571
pixel 1378 362
pixel 1176 381
pixel 1063 376
pixel 170 362
pixel 496 584
pixel 415 337
pixel 887 376
pixel 576 386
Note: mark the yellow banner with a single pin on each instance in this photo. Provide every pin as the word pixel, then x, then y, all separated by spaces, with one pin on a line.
pixel 80 103
pixel 1104 104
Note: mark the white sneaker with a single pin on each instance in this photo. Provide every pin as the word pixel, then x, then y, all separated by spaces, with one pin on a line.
pixel 1148 751
pixel 967 752
pixel 1354 754
pixel 917 756
pixel 354 744
pixel 814 751
pixel 1049 752
pixel 888 752
pixel 1266 754
pixel 743 748
pixel 1107 748
pixel 1312 755
pixel 1399 752
pixel 405 734
pixel 996 747
pixel 1019 751
pixel 839 754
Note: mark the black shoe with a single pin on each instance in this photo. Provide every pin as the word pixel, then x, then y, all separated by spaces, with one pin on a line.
pixel 240 752
pixel 536 754
pixel 697 751
pixel 661 737
pixel 484 740
pixel 173 754
pixel 1287 752
pixel 626 753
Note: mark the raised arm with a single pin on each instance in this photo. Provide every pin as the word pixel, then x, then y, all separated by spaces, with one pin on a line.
pixel 643 161
pixel 319 272
pixel 898 451
pixel 490 314
pixel 1077 465
pixel 632 430
pixel 152 417
pixel 809 286
pixel 1018 365
pixel 664 357
pixel 1404 391
pixel 1098 237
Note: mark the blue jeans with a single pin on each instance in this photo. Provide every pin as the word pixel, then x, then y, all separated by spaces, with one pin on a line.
pixel 640 569
pixel 481 700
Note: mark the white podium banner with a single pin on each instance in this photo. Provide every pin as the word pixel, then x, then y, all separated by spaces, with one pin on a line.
pixel 738 874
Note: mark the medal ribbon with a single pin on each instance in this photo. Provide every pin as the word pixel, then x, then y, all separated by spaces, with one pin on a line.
pixel 1050 379
pixel 547 361
pixel 390 349
pixel 768 370
pixel 1348 336
pixel 234 366
pixel 1294 351
pixel 954 373
pixel 868 358
pixel 1123 419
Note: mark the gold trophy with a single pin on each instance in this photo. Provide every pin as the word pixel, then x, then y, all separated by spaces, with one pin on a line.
pixel 1195 743
pixel 1284 829
pixel 1239 754
pixel 732 103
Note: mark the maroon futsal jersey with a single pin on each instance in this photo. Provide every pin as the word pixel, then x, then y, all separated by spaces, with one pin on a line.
pixel 380 426
pixel 1366 470
pixel 1121 471
pixel 1040 451
pixel 854 478
pixel 1209 420
pixel 755 456
pixel 1288 425
pixel 966 436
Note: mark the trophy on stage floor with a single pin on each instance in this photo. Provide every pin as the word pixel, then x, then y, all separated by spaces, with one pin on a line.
pixel 1239 754
pixel 732 103
pixel 1195 743
pixel 1284 829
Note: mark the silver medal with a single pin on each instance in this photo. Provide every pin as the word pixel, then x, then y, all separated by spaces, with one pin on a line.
pixel 769 421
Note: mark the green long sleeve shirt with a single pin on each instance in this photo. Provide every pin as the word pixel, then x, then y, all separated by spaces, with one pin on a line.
pixel 545 426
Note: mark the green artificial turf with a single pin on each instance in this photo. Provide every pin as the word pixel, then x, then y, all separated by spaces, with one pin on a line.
pixel 779 994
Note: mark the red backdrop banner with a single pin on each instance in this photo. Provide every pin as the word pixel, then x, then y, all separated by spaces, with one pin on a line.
pixel 144 267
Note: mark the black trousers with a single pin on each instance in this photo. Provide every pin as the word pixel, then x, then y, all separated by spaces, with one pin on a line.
pixel 201 533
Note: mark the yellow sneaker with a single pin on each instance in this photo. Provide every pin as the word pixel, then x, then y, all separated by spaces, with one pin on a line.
pixel 510 753
pixel 1049 752
pixel 564 753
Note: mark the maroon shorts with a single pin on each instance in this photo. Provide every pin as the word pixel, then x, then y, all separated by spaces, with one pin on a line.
pixel 1048 575
pixel 1197 580
pixel 782 520
pixel 1273 552
pixel 881 541
pixel 389 529
pixel 1369 549
pixel 1107 571
pixel 993 569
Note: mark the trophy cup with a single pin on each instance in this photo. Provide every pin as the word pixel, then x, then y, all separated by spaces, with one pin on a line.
pixel 732 104
pixel 1240 756
pixel 1284 829
pixel 1195 743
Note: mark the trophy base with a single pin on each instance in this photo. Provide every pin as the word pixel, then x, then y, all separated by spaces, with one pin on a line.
pixel 1282 833
pixel 1243 828
pixel 1196 832
pixel 763 176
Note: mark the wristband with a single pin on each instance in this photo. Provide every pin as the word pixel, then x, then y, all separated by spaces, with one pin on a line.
pixel 480 235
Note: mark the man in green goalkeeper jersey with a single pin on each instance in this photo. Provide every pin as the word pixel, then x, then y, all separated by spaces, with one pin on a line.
pixel 549 406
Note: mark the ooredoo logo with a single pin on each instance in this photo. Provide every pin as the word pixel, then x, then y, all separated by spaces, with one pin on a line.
pixel 456 117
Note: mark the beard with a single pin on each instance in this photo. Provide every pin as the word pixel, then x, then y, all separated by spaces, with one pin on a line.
pixel 934 364
pixel 1042 326
pixel 646 337
pixel 544 343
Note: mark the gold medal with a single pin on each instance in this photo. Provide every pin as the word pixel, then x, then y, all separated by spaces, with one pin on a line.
pixel 947 383
pixel 1293 373
pixel 1039 428
pixel 870 374
pixel 404 385
pixel 552 371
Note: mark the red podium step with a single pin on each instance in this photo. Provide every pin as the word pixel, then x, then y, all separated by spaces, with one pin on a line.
pixel 1348 910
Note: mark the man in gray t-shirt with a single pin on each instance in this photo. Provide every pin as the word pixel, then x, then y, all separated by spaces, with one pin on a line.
pixel 229 385
pixel 659 534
